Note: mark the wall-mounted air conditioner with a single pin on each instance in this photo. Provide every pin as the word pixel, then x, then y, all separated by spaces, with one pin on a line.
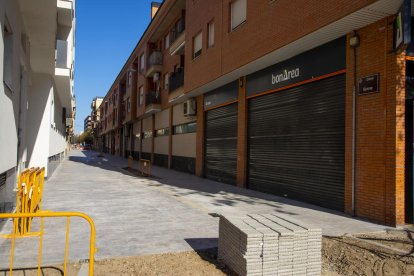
pixel 190 107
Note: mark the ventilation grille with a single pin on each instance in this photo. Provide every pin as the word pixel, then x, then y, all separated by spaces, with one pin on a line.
pixel 3 178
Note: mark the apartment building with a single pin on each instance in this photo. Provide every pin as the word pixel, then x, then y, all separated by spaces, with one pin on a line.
pixel 87 123
pixel 36 88
pixel 95 118
pixel 308 100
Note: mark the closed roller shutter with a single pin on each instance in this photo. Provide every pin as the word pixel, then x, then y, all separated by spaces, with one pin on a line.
pixel 221 144
pixel 297 143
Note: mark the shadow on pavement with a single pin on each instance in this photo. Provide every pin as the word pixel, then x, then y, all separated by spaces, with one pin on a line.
pixel 207 249
pixel 45 270
pixel 219 194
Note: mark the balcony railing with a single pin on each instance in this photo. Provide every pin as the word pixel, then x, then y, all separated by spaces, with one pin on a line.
pixel 177 30
pixel 152 98
pixel 61 54
pixel 154 64
pixel 155 59
pixel 176 79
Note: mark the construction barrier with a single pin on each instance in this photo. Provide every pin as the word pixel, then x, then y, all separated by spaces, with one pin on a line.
pixel 130 161
pixel 29 193
pixel 145 167
pixel 47 214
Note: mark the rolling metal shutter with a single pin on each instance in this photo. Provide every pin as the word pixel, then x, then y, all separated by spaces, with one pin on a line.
pixel 297 143
pixel 221 144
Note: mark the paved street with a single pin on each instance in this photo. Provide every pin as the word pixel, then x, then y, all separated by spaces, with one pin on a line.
pixel 138 216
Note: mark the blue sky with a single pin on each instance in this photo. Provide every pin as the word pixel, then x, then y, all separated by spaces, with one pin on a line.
pixel 106 34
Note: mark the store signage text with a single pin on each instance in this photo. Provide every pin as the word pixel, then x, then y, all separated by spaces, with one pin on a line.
pixel 285 76
pixel 368 84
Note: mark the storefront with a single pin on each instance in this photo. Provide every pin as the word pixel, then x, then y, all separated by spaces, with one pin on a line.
pixel 296 127
pixel 220 159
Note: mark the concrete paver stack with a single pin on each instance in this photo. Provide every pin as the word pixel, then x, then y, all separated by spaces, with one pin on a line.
pixel 269 244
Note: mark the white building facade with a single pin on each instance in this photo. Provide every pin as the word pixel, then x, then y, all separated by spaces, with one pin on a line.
pixel 37 103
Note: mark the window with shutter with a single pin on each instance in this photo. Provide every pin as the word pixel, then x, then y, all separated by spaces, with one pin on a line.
pixel 237 13
pixel 210 34
pixel 197 45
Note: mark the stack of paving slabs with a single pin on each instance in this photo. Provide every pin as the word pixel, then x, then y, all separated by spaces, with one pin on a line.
pixel 269 245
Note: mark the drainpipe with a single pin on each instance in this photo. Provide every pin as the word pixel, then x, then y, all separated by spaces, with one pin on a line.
pixel 354 43
pixel 353 147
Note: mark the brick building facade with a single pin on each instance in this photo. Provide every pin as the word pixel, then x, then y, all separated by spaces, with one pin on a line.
pixel 265 95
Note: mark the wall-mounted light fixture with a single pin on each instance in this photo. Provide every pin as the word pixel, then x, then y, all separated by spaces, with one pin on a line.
pixel 354 40
pixel 241 82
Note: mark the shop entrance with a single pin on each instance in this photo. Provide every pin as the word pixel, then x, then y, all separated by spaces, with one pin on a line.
pixel 221 144
pixel 297 143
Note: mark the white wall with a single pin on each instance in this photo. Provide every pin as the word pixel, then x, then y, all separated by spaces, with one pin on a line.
pixel 57 140
pixel 9 100
pixel 38 120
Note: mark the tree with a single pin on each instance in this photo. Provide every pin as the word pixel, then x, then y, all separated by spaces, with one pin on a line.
pixel 87 137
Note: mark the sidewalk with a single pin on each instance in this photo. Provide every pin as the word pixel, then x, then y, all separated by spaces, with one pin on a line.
pixel 213 197
pixel 141 216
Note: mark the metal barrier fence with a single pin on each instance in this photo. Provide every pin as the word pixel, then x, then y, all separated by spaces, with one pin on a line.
pixel 28 197
pixel 47 214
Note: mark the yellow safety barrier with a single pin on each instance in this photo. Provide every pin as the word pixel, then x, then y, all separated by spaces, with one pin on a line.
pixel 29 197
pixel 47 214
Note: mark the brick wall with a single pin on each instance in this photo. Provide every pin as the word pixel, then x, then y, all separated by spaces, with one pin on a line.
pixel 380 131
pixel 269 26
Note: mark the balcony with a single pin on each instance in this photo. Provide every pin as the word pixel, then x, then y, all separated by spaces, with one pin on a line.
pixel 64 73
pixel 176 79
pixel 61 54
pixel 176 84
pixel 152 102
pixel 154 64
pixel 177 38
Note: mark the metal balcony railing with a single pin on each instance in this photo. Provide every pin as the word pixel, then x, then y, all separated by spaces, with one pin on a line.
pixel 152 98
pixel 155 59
pixel 61 54
pixel 177 30
pixel 176 79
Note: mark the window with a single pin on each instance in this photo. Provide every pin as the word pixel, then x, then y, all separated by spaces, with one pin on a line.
pixel 129 78
pixel 8 56
pixel 166 81
pixel 128 105
pixel 142 63
pixel 141 95
pixel 197 45
pixel 162 132
pixel 167 41
pixel 185 128
pixel 210 29
pixel 237 13
pixel 148 134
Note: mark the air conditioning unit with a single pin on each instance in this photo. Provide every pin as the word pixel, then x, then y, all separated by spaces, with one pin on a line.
pixel 156 77
pixel 190 107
